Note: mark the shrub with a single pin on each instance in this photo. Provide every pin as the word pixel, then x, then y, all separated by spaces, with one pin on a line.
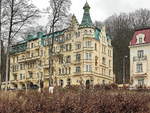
pixel 74 101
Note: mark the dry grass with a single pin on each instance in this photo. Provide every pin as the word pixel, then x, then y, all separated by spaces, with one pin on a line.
pixel 74 101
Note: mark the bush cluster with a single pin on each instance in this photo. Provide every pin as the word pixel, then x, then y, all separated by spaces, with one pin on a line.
pixel 83 101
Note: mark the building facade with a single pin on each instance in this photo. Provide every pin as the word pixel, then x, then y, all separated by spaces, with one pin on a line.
pixel 139 58
pixel 83 54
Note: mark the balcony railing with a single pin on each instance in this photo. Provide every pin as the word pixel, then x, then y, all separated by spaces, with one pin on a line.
pixel 28 58
pixel 77 61
pixel 77 73
pixel 21 59
pixel 88 36
pixel 33 57
pixel 139 58
pixel 88 48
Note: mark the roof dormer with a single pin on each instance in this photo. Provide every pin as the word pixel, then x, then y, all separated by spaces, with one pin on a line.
pixel 140 38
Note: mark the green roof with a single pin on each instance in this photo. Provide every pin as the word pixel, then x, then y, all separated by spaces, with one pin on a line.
pixel 86 20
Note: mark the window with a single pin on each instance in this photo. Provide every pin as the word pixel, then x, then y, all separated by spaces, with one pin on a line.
pixel 69 70
pixel 95 46
pixel 140 40
pixel 103 82
pixel 78 34
pixel 21 66
pixel 85 32
pixel 140 53
pixel 30 74
pixel 61 83
pixel 141 82
pixel 109 63
pixel 139 68
pixel 109 72
pixel 96 60
pixel 68 59
pixel 78 46
pixel 68 47
pixel 88 44
pixel 41 52
pixel 32 54
pixel 66 70
pixel 21 76
pixel 60 60
pixel 59 71
pixel 32 45
pixel 78 57
pixel 78 69
pixel 17 58
pixel 104 49
pixel 61 48
pixel 88 68
pixel 63 71
pixel 103 60
pixel 88 56
pixel 68 81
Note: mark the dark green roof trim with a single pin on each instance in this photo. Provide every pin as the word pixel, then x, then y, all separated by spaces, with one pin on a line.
pixel 18 48
pixel 97 33
pixel 108 37
pixel 57 33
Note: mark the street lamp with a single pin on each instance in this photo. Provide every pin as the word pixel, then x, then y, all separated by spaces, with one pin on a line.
pixel 124 68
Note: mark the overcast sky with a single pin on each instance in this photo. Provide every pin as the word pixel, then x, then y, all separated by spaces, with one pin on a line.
pixel 100 9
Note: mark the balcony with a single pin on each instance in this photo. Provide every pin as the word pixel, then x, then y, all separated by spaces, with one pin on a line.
pixel 76 61
pixel 77 73
pixel 88 36
pixel 32 58
pixel 46 65
pixel 139 58
pixel 88 48
pixel 21 60
pixel 140 75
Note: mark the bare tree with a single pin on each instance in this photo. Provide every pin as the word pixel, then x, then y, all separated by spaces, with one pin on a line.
pixel 99 24
pixel 140 18
pixel 19 14
pixel 59 11
pixel 32 30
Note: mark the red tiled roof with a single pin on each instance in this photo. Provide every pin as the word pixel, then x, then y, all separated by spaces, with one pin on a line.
pixel 146 32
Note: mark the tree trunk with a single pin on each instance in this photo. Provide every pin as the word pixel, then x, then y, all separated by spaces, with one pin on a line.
pixel 50 57
pixel 8 46
pixel 0 45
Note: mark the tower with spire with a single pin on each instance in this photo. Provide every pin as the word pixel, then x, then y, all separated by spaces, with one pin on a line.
pixel 86 20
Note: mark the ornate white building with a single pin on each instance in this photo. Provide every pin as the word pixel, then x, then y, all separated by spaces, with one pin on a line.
pixel 87 57
pixel 140 58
